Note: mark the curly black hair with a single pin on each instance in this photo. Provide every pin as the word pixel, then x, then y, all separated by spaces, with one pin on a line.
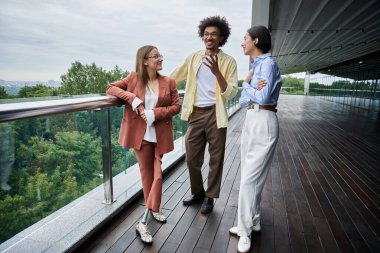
pixel 220 22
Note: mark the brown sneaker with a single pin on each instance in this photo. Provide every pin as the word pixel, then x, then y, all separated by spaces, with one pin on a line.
pixel 142 230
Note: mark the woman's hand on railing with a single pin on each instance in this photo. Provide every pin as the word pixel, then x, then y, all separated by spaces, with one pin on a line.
pixel 117 101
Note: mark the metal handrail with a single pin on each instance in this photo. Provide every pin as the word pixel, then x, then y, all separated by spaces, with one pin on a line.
pixel 26 110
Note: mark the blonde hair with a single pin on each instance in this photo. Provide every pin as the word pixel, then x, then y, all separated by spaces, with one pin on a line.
pixel 141 56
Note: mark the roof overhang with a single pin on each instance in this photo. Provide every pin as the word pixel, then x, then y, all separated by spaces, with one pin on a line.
pixel 328 36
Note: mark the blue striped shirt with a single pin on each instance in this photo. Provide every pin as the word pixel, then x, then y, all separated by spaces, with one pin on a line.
pixel 264 67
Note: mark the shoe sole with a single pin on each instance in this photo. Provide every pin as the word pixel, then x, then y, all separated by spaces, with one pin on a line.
pixel 208 212
pixel 160 221
pixel 200 200
pixel 192 203
pixel 255 231
pixel 231 233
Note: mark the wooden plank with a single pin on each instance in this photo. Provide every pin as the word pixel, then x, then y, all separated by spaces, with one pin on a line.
pixel 220 243
pixel 182 225
pixel 263 241
pixel 280 224
pixel 326 236
pixel 294 221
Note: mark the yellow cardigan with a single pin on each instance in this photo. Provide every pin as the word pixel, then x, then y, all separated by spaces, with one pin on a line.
pixel 189 69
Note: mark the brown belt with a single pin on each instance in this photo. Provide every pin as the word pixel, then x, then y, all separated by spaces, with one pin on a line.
pixel 206 108
pixel 264 107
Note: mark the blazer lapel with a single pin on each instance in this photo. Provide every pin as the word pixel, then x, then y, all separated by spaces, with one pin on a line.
pixel 162 90
pixel 140 92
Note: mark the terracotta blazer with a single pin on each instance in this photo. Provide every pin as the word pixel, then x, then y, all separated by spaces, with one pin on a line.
pixel 133 127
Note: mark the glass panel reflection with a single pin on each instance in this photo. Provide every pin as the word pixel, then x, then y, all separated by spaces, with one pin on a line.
pixel 46 163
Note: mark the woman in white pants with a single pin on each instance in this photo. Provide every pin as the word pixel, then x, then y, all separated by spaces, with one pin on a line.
pixel 260 131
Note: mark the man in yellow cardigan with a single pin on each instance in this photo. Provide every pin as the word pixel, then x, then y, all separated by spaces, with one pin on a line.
pixel 211 78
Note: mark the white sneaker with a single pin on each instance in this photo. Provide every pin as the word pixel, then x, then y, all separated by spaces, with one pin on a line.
pixel 244 244
pixel 255 228
pixel 256 223
pixel 234 231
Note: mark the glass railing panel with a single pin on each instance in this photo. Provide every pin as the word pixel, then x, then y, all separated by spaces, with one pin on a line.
pixel 359 96
pixel 233 104
pixel 47 163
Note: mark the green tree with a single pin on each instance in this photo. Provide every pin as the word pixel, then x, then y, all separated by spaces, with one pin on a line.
pixel 82 152
pixel 68 190
pixel 37 91
pixel 39 188
pixel 14 216
pixel 116 74
pixel 341 84
pixel 292 85
pixel 316 85
pixel 75 150
pixel 3 93
pixel 288 81
pixel 88 79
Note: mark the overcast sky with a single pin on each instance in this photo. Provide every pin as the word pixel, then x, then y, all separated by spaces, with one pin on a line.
pixel 39 39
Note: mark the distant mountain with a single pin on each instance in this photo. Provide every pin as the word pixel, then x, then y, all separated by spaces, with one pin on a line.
pixel 13 87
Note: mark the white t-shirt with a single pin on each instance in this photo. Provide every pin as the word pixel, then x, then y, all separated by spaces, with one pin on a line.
pixel 206 87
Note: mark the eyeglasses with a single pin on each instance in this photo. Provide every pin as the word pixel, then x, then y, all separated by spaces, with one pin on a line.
pixel 156 57
pixel 213 35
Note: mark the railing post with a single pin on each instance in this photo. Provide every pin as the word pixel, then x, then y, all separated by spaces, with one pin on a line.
pixel 107 156
pixel 306 85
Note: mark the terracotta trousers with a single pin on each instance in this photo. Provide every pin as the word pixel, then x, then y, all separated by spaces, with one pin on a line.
pixel 202 130
pixel 151 174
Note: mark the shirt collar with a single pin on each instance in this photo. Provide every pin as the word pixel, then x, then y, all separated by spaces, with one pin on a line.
pixel 260 58
pixel 219 54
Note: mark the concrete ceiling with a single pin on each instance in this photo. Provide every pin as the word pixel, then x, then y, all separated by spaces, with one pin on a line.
pixel 319 36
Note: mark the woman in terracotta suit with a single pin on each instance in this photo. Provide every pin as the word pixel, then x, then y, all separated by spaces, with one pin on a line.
pixel 151 102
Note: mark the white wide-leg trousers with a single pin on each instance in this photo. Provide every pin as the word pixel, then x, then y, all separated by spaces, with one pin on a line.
pixel 258 142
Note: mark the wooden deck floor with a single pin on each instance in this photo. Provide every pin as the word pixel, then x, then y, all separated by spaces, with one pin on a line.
pixel 322 193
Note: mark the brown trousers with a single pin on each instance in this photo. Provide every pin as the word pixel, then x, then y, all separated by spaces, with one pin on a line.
pixel 151 174
pixel 202 130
